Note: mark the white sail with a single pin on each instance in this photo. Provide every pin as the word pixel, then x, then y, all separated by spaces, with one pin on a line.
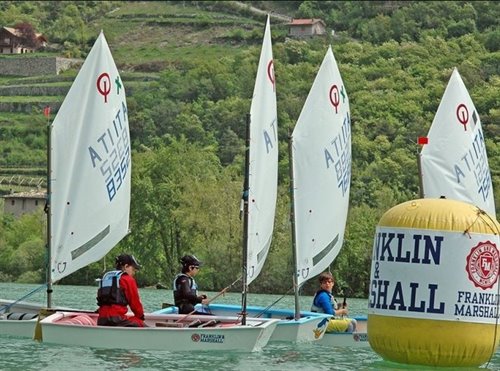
pixel 263 162
pixel 91 166
pixel 454 162
pixel 321 152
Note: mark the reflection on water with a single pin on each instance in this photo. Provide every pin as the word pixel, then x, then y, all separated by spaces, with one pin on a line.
pixel 119 358
pixel 26 354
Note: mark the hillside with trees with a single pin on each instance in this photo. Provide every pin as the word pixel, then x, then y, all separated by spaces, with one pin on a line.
pixel 189 69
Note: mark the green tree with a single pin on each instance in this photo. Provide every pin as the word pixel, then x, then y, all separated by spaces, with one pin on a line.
pixel 161 177
pixel 22 246
pixel 350 266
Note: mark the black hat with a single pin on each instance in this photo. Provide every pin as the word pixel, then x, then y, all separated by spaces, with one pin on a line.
pixel 188 260
pixel 124 259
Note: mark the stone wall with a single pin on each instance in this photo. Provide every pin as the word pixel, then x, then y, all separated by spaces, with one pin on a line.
pixel 23 203
pixel 35 66
pixel 29 107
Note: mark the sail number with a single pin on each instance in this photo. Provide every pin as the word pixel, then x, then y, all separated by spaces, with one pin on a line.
pixel 338 155
pixel 111 153
pixel 118 169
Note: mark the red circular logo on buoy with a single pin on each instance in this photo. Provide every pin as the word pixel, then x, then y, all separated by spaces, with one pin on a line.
pixel 483 265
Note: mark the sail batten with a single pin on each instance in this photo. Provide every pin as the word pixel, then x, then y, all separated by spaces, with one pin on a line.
pixel 323 253
pixel 262 254
pixel 75 254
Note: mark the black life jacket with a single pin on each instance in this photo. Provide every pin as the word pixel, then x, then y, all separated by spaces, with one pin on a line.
pixel 177 296
pixel 109 291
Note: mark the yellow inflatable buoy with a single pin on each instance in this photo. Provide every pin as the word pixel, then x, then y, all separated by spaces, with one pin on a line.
pixel 434 291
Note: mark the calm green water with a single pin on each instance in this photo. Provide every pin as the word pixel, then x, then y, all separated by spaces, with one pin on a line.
pixel 26 354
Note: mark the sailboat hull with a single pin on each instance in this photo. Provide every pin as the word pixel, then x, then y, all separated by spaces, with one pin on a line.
pixel 20 318
pixel 164 332
pixel 17 328
pixel 357 339
pixel 310 327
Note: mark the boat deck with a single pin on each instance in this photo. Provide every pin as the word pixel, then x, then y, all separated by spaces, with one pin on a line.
pixel 161 321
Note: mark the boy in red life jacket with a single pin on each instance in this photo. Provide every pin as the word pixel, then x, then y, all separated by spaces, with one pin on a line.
pixel 118 291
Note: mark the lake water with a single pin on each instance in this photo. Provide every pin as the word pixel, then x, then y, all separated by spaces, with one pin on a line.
pixel 26 354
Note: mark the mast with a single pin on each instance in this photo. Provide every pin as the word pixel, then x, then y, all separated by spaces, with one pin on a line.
pixel 49 213
pixel 245 224
pixel 292 222
pixel 420 178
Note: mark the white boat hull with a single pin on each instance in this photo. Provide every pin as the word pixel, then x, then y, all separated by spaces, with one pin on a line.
pixel 306 329
pixel 66 328
pixel 19 319
pixel 310 327
pixel 17 328
pixel 357 339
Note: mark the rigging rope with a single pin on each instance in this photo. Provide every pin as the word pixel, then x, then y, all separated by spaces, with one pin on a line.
pixel 4 308
pixel 273 303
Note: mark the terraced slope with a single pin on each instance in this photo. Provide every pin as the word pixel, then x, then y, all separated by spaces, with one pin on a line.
pixel 146 38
